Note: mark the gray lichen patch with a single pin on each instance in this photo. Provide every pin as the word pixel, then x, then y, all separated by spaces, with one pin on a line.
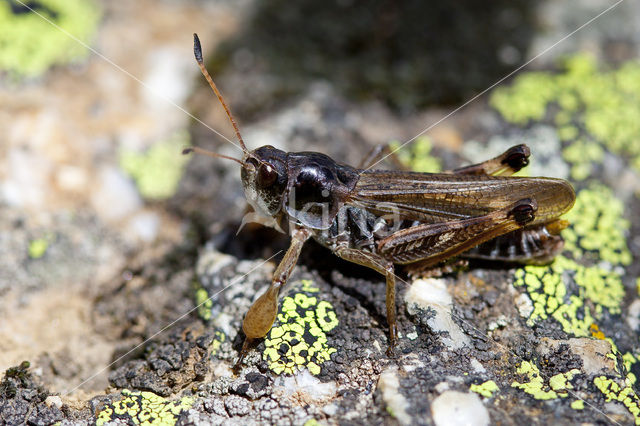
pixel 23 399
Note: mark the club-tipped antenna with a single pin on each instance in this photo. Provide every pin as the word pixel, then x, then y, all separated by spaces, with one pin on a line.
pixel 197 51
pixel 198 150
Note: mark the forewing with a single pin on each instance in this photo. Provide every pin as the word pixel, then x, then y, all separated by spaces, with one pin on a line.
pixel 435 197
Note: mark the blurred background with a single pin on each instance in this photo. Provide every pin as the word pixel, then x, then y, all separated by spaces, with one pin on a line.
pixel 97 99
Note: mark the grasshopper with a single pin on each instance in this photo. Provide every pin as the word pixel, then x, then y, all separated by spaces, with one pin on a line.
pixel 385 219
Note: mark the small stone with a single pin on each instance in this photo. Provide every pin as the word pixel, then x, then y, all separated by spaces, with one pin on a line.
pixel 524 304
pixel 330 409
pixel 477 366
pixel 432 293
pixel 389 386
pixel 25 177
pixel 144 226
pixel 593 353
pixel 442 387
pixel 305 383
pixel 54 401
pixel 71 178
pixel 633 316
pixel 454 408
pixel 115 197
pixel 412 335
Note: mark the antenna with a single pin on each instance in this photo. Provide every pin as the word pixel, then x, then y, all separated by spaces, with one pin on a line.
pixel 198 150
pixel 197 50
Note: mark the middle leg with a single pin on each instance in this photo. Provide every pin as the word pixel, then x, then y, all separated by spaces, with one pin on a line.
pixel 384 267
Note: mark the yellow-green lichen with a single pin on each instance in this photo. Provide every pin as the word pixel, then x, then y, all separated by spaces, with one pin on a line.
pixel 560 382
pixel 38 247
pixel 578 404
pixel 298 339
pixel 573 294
pixel 307 287
pixel 624 394
pixel 546 287
pixel 593 108
pixel 629 360
pixel 203 303
pixel 29 45
pixel 486 389
pixel 598 227
pixel 218 339
pixel 611 388
pixel 535 386
pixel 582 154
pixel 577 295
pixel 417 155
pixel 144 408
pixel 158 170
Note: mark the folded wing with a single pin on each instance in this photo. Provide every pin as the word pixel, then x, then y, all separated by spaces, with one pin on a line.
pixel 433 198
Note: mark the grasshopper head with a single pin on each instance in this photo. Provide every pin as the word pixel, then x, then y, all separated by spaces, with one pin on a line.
pixel 264 178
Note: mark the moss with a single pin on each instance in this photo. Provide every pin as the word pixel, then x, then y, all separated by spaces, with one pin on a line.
pixel 144 408
pixel 298 339
pixel 417 155
pixel 38 247
pixel 486 389
pixel 29 45
pixel 535 386
pixel 157 171
pixel 594 108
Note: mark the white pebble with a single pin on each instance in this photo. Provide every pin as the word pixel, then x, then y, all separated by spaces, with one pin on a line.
pixel 144 226
pixel 71 178
pixel 115 196
pixel 54 400
pixel 432 293
pixel 454 408
pixel 389 386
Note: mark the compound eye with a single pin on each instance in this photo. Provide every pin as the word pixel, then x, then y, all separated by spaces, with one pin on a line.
pixel 252 164
pixel 267 176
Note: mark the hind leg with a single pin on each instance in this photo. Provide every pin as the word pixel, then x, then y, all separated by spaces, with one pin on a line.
pixel 506 164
